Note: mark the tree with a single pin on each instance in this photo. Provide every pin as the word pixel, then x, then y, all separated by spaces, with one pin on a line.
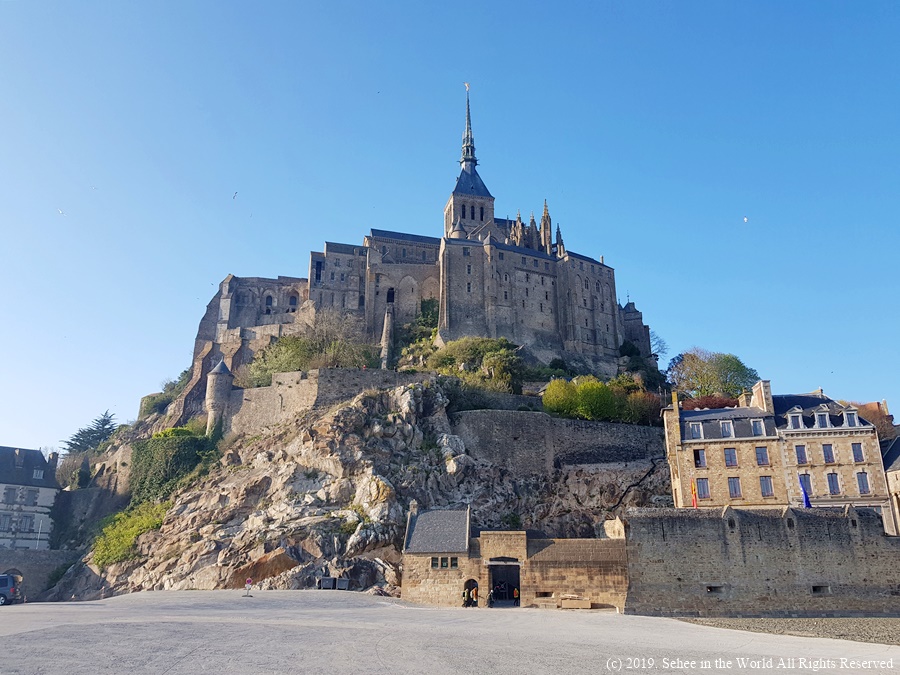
pixel 657 345
pixel 699 372
pixel 90 437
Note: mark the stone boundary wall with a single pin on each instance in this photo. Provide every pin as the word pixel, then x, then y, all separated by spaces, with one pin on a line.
pixel 774 562
pixel 584 572
pixel 35 567
pixel 251 410
pixel 534 442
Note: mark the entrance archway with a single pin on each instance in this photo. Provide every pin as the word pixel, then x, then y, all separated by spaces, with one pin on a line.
pixel 504 579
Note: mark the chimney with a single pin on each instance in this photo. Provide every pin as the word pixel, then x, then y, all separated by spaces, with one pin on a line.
pixel 745 400
pixel 52 460
pixel 20 459
pixel 762 396
pixel 413 507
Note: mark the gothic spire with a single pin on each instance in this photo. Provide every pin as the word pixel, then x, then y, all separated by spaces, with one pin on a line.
pixel 546 234
pixel 468 160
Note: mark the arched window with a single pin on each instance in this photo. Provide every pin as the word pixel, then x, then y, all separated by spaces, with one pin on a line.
pixel 384 250
pixel 390 295
pixel 269 301
pixel 482 213
pixel 293 301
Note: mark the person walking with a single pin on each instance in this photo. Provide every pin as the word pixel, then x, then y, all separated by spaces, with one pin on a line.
pixel 491 598
pixel 515 597
pixel 475 596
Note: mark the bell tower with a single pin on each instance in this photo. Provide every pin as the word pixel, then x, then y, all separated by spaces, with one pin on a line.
pixel 471 205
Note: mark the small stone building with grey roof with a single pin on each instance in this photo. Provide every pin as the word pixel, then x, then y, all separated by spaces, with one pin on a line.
pixel 491 277
pixel 28 489
pixel 443 559
pixel 769 450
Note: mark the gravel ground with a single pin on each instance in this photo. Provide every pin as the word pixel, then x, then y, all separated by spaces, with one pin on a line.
pixel 884 631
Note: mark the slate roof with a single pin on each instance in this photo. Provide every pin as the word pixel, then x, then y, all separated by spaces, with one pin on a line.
pixel 578 256
pixel 521 250
pixel 347 249
pixel 439 531
pixel 470 183
pixel 722 414
pixel 24 475
pixel 740 422
pixel 220 369
pixel 403 236
pixel 810 404
pixel 890 455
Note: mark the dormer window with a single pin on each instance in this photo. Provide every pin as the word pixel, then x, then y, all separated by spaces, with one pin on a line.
pixel 727 430
pixel 696 429
pixel 796 421
pixel 822 420
pixel 38 474
pixel 851 419
pixel 757 427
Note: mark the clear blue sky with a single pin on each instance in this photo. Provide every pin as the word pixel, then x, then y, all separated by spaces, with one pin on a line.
pixel 652 128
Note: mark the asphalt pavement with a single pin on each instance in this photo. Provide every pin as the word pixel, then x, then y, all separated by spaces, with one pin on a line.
pixel 342 632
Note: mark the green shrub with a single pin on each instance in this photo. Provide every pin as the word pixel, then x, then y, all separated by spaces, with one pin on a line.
pixel 561 398
pixel 174 432
pixel 157 403
pixel 158 463
pixel 120 531
pixel 619 400
pixel 490 363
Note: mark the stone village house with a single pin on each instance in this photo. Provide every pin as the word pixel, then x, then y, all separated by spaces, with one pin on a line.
pixel 768 450
pixel 28 489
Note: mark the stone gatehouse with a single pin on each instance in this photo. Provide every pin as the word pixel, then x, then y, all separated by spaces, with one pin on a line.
pixel 441 561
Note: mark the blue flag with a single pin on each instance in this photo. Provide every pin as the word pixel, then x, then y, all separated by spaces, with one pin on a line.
pixel 806 503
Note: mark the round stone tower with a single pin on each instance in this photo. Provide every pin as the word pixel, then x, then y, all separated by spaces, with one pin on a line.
pixel 218 391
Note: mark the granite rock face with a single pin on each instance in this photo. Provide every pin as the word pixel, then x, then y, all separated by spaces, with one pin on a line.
pixel 326 494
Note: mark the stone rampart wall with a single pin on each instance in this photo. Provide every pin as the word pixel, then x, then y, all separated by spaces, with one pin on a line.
pixel 35 567
pixel 812 562
pixel 536 442
pixel 252 410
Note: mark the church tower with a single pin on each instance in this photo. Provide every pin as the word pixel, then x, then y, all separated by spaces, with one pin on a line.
pixel 471 205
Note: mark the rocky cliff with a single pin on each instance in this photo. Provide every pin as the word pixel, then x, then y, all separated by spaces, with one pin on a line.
pixel 326 494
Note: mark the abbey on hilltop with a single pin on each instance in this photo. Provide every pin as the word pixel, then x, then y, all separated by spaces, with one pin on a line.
pixel 493 277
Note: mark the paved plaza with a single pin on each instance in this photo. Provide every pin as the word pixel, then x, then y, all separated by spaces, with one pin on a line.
pixel 339 632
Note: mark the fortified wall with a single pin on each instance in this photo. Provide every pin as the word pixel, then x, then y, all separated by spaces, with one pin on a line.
pixel 250 410
pixel 34 566
pixel 534 442
pixel 778 562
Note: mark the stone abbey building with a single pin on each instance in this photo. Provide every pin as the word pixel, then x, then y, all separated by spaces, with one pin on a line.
pixel 493 277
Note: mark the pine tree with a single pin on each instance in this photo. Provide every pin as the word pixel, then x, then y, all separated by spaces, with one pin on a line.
pixel 88 438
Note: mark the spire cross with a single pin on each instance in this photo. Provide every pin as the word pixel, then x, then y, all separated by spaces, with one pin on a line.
pixel 468 148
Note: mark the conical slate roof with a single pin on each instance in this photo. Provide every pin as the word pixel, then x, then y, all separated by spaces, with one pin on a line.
pixel 220 369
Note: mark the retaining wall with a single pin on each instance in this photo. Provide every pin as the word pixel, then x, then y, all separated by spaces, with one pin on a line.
pixel 536 442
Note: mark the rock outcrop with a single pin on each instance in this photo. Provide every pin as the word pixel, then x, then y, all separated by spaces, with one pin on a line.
pixel 326 494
